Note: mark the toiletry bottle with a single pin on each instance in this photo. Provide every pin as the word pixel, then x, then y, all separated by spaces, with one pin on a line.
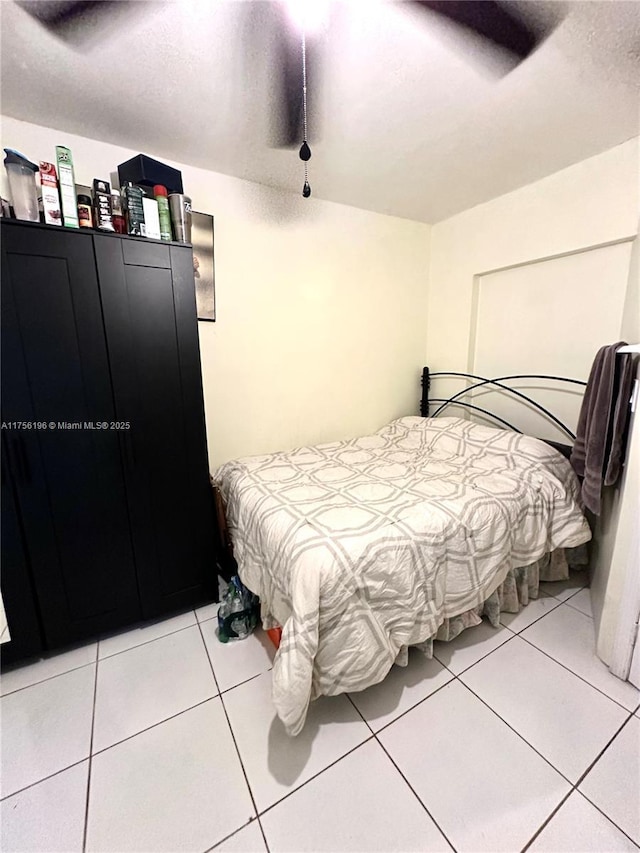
pixel 67 182
pixel 133 209
pixel 85 215
pixel 117 215
pixel 102 205
pixel 160 194
pixel 50 196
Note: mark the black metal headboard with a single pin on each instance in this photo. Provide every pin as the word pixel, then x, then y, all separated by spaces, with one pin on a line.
pixel 498 382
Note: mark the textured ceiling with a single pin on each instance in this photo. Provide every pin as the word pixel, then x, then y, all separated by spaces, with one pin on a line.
pixel 412 120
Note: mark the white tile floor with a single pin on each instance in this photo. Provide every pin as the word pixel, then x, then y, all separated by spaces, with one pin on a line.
pixel 163 739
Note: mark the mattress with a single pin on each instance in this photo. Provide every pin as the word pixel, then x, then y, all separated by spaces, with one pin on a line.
pixel 364 547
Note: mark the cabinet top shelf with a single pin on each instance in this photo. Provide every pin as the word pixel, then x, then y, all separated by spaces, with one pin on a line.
pixel 60 229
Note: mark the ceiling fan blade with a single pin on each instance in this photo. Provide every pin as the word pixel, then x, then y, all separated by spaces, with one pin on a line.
pixel 287 128
pixel 488 19
pixel 76 21
pixel 288 118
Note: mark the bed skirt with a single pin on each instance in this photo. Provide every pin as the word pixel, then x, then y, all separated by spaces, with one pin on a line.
pixel 518 588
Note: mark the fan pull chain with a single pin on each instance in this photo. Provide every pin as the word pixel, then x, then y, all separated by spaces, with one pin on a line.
pixel 305 151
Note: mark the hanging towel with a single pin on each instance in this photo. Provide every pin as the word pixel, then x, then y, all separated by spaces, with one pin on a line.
pixel 598 451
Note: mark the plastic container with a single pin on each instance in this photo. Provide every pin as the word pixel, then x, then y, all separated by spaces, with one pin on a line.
pixel 85 213
pixel 160 194
pixel 22 183
pixel 238 612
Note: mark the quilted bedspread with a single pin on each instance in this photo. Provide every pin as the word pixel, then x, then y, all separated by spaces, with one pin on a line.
pixel 361 548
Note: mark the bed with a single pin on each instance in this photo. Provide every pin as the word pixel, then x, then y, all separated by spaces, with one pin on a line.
pixel 362 548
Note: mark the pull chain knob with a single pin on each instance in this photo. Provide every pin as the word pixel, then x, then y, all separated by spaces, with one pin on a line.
pixel 305 151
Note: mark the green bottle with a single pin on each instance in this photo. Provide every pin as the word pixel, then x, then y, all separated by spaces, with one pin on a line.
pixel 160 194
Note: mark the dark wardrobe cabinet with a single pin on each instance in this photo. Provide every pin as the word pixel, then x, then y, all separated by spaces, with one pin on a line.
pixel 107 513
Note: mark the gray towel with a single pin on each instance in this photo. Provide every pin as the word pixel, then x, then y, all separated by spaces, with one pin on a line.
pixel 598 451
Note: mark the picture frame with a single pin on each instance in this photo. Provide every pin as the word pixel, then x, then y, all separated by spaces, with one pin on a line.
pixel 202 240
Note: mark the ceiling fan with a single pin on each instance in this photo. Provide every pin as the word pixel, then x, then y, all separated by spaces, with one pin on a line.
pixel 500 25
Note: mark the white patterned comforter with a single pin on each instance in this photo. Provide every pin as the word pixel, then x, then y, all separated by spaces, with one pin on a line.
pixel 361 548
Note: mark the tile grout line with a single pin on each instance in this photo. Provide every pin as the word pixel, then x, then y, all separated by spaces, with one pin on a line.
pixel 90 663
pixel 577 675
pixel 315 775
pixel 382 747
pixel 246 681
pixel 129 737
pixel 509 726
pixel 48 678
pixel 547 820
pixel 543 598
pixel 457 674
pixel 199 622
pixel 419 702
pixel 413 791
pixel 573 607
pixel 220 693
pixel 156 724
pixel 602 752
pixel 542 651
pixel 146 642
pixel 44 779
pixel 574 786
pixel 457 678
pixel 520 633
pixel 233 737
pixel 93 721
pixel 576 789
pixel 231 835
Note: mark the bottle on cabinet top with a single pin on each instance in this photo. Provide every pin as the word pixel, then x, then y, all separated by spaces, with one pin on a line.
pixel 50 195
pixel 67 181
pixel 134 210
pixel 160 194
pixel 85 215
pixel 117 214
pixel 102 202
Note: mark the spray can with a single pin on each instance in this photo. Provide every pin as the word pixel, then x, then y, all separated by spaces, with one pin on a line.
pixel 160 194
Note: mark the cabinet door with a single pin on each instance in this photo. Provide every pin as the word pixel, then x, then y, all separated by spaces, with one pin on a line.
pixel 148 297
pixel 18 593
pixel 68 475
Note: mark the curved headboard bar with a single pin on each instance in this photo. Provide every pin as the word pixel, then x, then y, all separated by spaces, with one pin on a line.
pixel 477 409
pixel 498 382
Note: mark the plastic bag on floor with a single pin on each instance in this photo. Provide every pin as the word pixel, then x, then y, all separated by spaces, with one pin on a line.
pixel 238 612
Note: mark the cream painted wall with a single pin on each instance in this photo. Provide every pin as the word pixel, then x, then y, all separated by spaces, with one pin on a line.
pixel 585 205
pixel 321 307
pixel 588 205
